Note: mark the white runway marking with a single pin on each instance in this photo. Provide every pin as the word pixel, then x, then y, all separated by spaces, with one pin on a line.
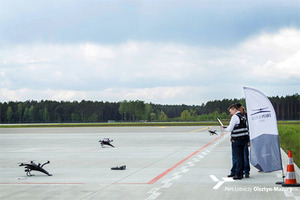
pixel 227 179
pixel 183 167
pixel 190 164
pixel 153 196
pixel 288 193
pixel 167 185
pixel 220 183
pixel 185 170
pixel 177 175
pixel 166 181
pixel 200 156
pixel 214 178
pixel 153 190
pixel 154 193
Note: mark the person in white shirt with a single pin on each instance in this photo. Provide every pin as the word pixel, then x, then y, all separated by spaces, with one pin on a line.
pixel 239 138
pixel 246 151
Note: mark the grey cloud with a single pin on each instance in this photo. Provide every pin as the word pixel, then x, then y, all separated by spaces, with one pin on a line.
pixel 144 69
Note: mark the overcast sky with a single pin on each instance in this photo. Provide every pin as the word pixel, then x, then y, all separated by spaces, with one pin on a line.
pixel 168 52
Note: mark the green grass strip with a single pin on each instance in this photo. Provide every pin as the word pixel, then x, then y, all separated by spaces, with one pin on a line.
pixel 125 124
pixel 289 137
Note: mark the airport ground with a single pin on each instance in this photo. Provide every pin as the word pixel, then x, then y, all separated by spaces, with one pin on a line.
pixel 162 163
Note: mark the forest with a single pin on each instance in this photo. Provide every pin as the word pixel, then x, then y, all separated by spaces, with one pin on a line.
pixel 46 111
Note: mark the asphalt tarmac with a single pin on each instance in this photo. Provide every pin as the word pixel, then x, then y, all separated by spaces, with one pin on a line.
pixel 161 163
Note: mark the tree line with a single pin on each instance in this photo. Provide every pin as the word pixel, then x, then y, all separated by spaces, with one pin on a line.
pixel 46 111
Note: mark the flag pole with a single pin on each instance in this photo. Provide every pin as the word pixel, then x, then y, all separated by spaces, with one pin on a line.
pixel 283 176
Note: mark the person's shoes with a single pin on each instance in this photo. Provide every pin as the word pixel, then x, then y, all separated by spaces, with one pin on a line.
pixel 237 177
pixel 247 175
pixel 230 175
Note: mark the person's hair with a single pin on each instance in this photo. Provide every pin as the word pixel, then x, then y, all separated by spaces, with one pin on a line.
pixel 232 106
pixel 238 105
pixel 242 110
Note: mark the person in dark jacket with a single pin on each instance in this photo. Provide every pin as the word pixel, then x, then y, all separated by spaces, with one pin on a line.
pixel 239 138
pixel 246 151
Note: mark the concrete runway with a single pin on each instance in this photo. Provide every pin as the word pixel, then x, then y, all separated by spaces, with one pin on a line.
pixel 162 163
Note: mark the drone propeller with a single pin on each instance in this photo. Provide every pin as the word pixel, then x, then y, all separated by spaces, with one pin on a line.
pixel 29 161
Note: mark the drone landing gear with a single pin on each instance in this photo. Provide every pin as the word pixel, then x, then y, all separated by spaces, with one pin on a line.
pixel 28 172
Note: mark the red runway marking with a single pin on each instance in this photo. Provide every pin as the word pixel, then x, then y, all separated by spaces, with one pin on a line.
pixel 41 183
pixel 182 161
pixel 176 165
pixel 154 180
pixel 131 183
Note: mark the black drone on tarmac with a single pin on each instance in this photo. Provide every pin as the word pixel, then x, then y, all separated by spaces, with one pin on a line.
pixel 35 167
pixel 212 132
pixel 106 141
pixel 123 167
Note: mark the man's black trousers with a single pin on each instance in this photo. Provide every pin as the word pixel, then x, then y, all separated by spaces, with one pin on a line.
pixel 238 145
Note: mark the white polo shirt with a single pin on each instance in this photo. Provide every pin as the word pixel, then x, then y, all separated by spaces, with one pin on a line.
pixel 235 120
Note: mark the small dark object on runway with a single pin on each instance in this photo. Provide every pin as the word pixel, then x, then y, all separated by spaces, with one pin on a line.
pixel 35 167
pixel 106 141
pixel 212 132
pixel 119 168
